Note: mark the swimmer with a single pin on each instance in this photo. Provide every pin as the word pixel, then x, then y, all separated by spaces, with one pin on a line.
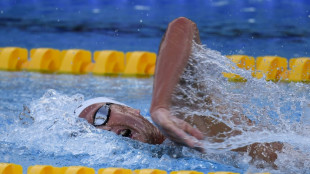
pixel 111 115
pixel 173 56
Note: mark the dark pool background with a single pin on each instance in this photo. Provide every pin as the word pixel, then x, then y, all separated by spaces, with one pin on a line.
pixel 252 27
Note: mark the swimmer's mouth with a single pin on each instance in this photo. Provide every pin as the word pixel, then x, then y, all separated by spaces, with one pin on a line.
pixel 125 133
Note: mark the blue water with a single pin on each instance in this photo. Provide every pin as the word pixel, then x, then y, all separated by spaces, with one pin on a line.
pixel 55 137
pixel 49 134
pixel 37 124
pixel 253 27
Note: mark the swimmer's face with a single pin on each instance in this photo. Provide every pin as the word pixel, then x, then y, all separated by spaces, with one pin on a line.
pixel 125 121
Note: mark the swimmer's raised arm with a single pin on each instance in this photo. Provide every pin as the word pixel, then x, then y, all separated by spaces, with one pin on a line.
pixel 173 56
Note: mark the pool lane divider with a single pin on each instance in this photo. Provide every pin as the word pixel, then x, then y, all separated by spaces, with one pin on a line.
pixel 141 64
pixel 74 61
pixel 43 60
pixel 78 61
pixel 12 58
pixel 10 168
pixel 272 68
pixel 107 63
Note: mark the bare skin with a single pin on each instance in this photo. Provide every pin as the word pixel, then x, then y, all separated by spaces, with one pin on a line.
pixel 173 56
pixel 127 122
pixel 174 53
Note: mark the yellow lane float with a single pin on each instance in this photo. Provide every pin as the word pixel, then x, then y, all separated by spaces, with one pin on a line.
pixel 300 69
pixel 41 169
pixel 79 170
pixel 271 67
pixel 140 63
pixel 108 62
pixel 8 168
pixel 12 58
pixel 75 61
pixel 46 169
pixel 150 171
pixel 242 61
pixel 114 171
pixel 186 172
pixel 44 60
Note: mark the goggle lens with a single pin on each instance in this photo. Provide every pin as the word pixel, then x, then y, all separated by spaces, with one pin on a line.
pixel 102 115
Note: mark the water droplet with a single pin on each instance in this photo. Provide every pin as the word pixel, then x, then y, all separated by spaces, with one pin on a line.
pixel 142 7
pixel 251 20
pixel 141 20
pixel 249 9
pixel 96 10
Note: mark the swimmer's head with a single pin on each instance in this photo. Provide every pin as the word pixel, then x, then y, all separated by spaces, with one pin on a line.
pixel 107 114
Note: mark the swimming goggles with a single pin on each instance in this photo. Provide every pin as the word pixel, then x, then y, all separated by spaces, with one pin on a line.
pixel 102 115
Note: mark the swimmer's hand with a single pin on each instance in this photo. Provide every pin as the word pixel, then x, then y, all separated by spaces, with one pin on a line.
pixel 177 130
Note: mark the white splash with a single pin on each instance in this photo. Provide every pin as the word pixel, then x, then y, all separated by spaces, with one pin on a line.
pixel 280 112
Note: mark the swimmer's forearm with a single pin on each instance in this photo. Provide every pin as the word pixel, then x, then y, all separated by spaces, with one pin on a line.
pixel 173 56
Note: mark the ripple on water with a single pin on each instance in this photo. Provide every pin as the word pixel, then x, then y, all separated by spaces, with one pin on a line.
pixel 47 131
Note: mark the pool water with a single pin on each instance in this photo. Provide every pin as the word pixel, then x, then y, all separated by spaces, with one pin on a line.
pixel 50 134
pixel 37 125
pixel 252 27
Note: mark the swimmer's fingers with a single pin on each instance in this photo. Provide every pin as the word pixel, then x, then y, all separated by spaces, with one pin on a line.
pixel 189 129
pixel 180 137
pixel 177 130
pixel 183 133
